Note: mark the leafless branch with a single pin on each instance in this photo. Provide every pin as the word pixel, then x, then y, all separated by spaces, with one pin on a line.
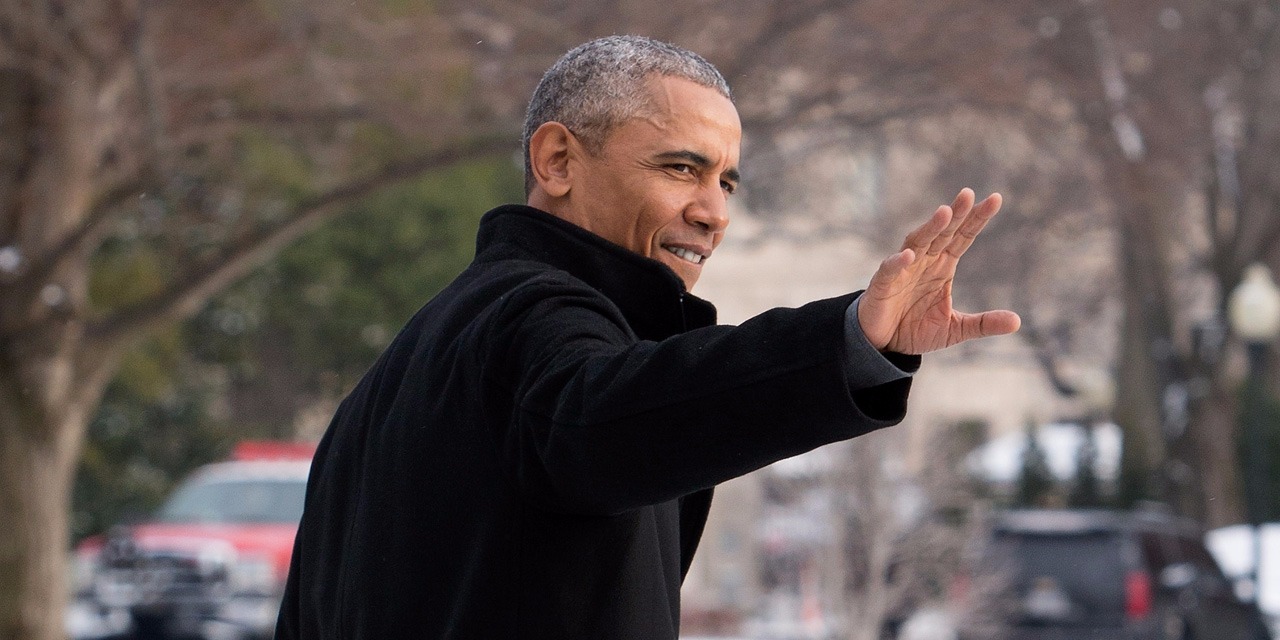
pixel 218 126
pixel 1221 249
pixel 559 34
pixel 149 92
pixel 16 55
pixel 1266 241
pixel 281 116
pixel 77 26
pixel 1046 357
pixel 47 39
pixel 203 74
pixel 79 242
pixel 865 120
pixel 775 32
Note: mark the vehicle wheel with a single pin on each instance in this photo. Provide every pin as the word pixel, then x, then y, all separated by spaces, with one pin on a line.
pixel 149 628
pixel 1258 629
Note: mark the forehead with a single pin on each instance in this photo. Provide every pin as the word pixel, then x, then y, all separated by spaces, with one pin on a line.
pixel 681 112
pixel 686 97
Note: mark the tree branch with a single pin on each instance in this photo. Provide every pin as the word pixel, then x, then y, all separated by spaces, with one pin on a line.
pixel 794 118
pixel 776 31
pixel 1045 357
pixel 279 116
pixel 192 289
pixel 150 95
pixel 44 36
pixel 78 29
pixel 548 28
pixel 81 240
pixel 1265 243
pixel 13 57
pixel 219 126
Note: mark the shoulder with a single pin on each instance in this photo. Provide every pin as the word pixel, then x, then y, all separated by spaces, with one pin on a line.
pixel 545 295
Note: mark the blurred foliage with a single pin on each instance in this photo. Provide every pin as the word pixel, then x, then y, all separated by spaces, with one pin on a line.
pixel 1037 487
pixel 272 165
pixel 1086 488
pixel 151 430
pixel 124 274
pixel 338 296
pixel 1137 483
pixel 297 333
pixel 1260 411
pixel 1036 484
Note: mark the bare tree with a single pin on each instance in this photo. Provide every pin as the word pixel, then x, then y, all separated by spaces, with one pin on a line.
pixel 210 135
pixel 1179 100
pixel 1174 107
pixel 215 133
pixel 136 123
pixel 902 538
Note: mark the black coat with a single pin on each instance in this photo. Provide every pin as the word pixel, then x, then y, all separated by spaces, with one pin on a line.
pixel 533 455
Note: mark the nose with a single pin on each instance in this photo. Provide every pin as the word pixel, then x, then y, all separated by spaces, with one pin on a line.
pixel 710 211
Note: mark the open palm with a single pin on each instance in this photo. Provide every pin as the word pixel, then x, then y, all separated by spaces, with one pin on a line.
pixel 907 307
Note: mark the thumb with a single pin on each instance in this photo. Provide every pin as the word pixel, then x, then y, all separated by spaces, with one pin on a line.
pixel 986 324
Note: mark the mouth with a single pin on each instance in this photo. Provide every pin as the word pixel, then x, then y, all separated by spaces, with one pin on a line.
pixel 688 255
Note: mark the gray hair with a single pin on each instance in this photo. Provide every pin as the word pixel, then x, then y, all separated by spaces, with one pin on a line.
pixel 601 84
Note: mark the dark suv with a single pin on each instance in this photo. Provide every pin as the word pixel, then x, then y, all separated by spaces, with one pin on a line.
pixel 1106 575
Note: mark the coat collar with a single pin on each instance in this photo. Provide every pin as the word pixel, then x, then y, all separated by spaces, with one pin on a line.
pixel 650 295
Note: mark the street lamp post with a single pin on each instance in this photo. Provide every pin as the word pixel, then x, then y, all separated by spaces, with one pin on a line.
pixel 1254 312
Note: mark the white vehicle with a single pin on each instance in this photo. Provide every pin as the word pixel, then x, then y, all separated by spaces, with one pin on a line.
pixel 1233 548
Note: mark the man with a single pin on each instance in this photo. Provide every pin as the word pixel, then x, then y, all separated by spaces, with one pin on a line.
pixel 533 456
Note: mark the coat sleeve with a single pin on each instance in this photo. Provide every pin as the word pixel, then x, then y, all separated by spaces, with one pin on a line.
pixel 602 422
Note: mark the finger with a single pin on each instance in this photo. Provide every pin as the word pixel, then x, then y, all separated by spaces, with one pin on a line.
pixel 920 239
pixel 890 269
pixel 974 224
pixel 960 208
pixel 970 326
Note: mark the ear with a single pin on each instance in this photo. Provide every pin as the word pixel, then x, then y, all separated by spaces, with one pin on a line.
pixel 550 149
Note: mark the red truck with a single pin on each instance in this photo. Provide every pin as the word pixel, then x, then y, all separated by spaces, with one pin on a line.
pixel 210 564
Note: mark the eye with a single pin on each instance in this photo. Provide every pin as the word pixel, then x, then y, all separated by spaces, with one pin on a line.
pixel 728 187
pixel 682 168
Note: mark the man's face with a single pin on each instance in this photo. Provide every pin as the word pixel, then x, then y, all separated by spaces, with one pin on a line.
pixel 661 182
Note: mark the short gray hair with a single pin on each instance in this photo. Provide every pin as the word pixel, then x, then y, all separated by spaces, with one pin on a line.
pixel 601 84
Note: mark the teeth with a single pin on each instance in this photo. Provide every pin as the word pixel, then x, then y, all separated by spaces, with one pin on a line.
pixel 685 254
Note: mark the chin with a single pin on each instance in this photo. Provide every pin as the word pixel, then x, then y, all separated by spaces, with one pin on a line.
pixel 689 280
pixel 682 272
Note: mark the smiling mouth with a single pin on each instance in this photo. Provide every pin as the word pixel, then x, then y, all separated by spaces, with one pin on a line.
pixel 687 255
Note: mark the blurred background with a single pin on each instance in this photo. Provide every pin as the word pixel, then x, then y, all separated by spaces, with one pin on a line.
pixel 214 214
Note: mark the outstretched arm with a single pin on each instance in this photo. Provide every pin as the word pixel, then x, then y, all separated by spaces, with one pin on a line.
pixel 907 307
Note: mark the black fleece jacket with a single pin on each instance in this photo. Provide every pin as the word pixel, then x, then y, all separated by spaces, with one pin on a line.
pixel 533 455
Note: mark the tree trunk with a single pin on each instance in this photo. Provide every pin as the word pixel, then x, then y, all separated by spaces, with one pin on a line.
pixel 38 454
pixel 1212 442
pixel 1136 410
pixel 1147 361
pixel 1193 465
pixel 50 378
pixel 868 538
pixel 47 396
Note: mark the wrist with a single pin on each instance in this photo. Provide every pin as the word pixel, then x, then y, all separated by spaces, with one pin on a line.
pixel 867 324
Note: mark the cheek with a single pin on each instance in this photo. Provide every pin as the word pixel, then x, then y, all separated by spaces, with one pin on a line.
pixel 668 209
pixel 655 208
pixel 660 220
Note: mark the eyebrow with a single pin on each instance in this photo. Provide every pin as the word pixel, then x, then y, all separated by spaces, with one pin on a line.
pixel 698 160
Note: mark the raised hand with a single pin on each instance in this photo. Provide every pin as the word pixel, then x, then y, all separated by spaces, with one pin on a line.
pixel 907 307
